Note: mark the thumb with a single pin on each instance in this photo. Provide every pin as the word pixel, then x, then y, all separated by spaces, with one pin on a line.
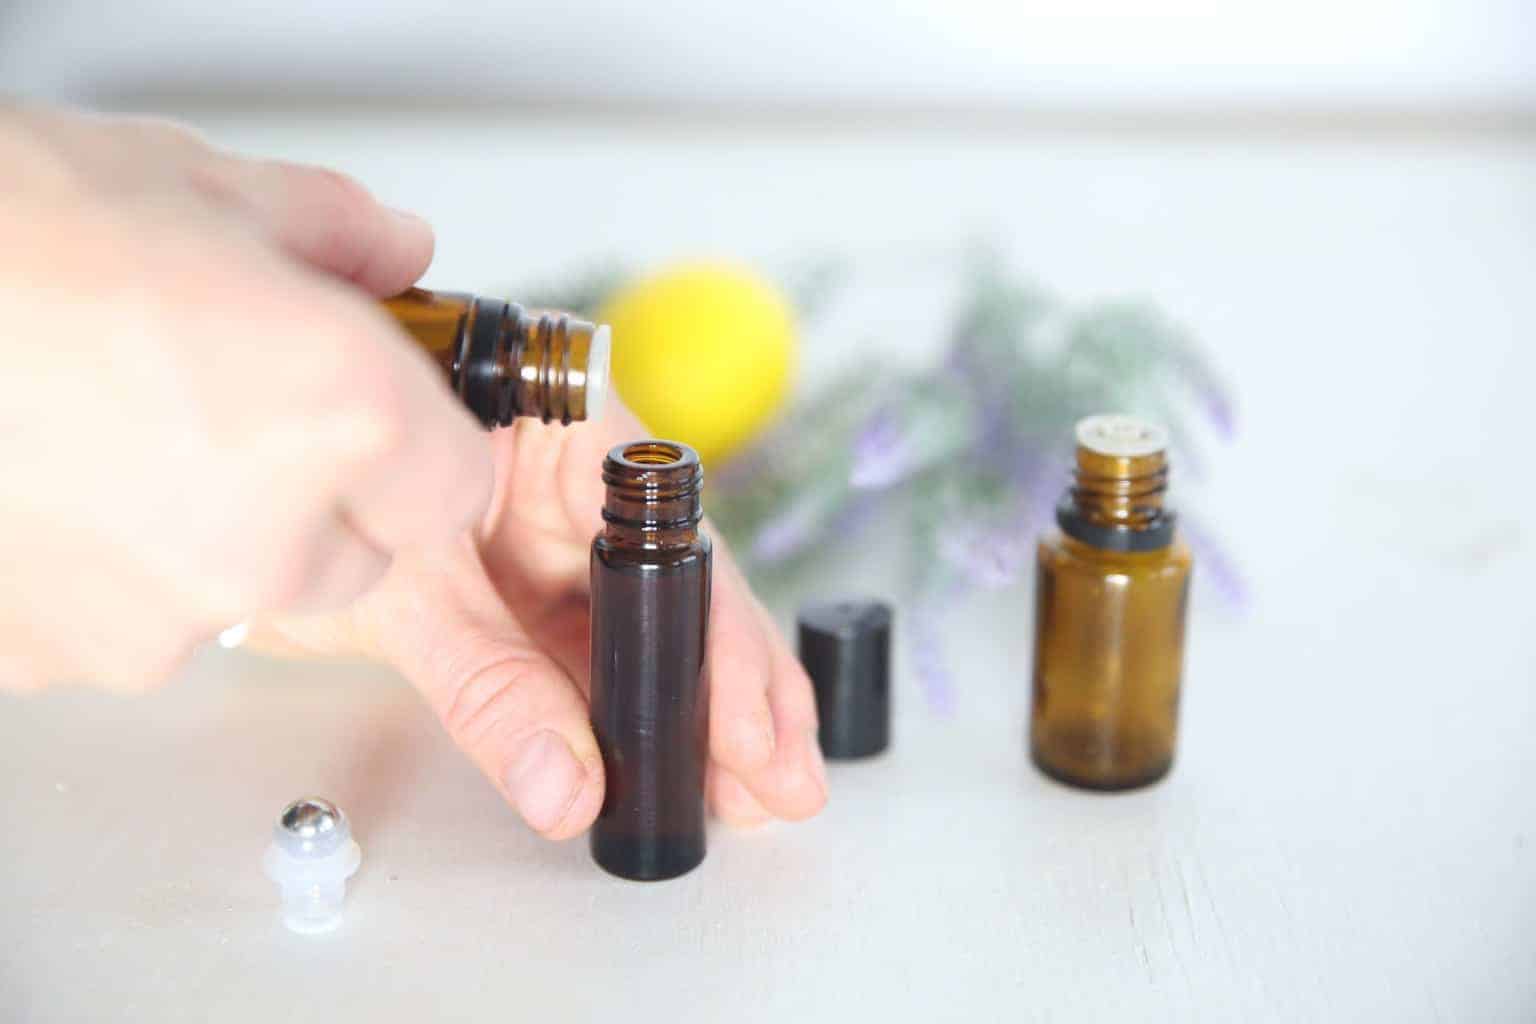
pixel 516 713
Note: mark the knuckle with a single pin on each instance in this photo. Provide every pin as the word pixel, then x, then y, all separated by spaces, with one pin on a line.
pixel 217 178
pixel 270 575
pixel 351 387
pixel 375 413
pixel 490 697
pixel 161 132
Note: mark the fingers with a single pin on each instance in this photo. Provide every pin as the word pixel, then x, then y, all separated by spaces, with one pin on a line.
pixel 352 414
pixel 743 735
pixel 314 432
pixel 326 219
pixel 798 771
pixel 319 216
pixel 732 802
pixel 511 709
pixel 762 714
pixel 317 441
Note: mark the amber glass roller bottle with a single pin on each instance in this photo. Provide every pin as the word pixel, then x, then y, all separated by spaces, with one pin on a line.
pixel 504 362
pixel 650 693
pixel 1111 588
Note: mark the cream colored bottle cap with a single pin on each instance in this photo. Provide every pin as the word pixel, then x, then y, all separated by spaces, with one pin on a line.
pixel 1121 437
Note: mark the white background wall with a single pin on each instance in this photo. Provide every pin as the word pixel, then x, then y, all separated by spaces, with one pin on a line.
pixel 1061 53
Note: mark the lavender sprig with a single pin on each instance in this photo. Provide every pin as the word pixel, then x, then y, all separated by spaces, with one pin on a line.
pixel 976 447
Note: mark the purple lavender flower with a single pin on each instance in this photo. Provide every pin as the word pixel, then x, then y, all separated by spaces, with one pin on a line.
pixel 990 556
pixel 791 531
pixel 1207 390
pixel 900 441
pixel 1212 563
pixel 926 649
pixel 1218 409
pixel 882 452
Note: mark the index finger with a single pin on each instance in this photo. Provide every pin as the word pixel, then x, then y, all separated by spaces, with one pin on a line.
pixel 762 712
pixel 324 218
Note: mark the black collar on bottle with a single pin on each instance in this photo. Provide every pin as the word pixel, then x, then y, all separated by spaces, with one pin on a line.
pixel 1156 534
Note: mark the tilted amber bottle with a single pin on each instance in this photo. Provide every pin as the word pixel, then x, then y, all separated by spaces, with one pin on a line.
pixel 1111 589
pixel 505 362
pixel 650 693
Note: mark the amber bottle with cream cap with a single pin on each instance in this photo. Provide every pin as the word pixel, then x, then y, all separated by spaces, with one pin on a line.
pixel 1111 591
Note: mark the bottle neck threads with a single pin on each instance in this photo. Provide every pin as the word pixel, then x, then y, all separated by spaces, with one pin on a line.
pixel 513 363
pixel 1118 484
pixel 653 498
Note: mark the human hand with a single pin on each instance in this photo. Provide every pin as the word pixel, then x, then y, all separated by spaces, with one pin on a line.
pixel 202 414
pixel 492 630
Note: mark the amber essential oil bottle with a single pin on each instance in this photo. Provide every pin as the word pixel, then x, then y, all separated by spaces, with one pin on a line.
pixel 1111 589
pixel 505 362
pixel 650 693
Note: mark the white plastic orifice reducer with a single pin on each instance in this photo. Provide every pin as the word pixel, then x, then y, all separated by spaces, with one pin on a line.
pixel 599 369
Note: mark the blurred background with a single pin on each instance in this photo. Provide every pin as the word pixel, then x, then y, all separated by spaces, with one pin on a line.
pixel 900 247
pixel 1194 56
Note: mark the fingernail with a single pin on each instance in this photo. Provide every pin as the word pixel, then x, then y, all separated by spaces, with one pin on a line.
pixel 818 763
pixel 406 216
pixel 545 780
pixel 409 221
pixel 753 738
pixel 736 806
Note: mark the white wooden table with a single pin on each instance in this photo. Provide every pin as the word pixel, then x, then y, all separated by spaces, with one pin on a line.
pixel 1349 834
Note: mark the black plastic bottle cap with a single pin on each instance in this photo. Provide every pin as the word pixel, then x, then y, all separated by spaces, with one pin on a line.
pixel 845 647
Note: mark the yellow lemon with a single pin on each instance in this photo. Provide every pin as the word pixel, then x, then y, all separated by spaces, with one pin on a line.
pixel 703 353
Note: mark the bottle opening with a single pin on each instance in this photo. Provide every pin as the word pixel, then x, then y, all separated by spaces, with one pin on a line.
pixel 652 485
pixel 653 453
pixel 1120 436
